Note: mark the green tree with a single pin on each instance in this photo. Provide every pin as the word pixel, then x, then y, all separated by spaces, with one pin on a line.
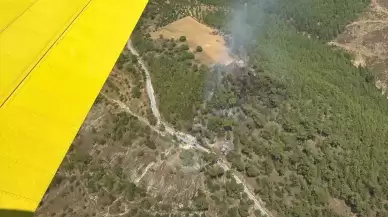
pixel 150 144
pixel 184 47
pixel 200 201
pixel 215 171
pixel 251 171
pixel 136 92
pixel 233 189
pixel 187 157
pixel 182 38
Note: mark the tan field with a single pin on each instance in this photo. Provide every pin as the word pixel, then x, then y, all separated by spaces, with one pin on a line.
pixel 197 34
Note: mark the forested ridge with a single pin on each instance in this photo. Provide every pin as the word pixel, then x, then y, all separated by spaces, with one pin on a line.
pixel 309 129
pixel 322 18
pixel 314 121
pixel 316 128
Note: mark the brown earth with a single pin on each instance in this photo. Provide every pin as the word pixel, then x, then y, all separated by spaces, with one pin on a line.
pixel 340 207
pixel 198 34
pixel 367 39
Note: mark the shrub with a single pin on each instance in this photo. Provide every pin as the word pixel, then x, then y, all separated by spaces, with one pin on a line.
pixel 150 144
pixel 187 158
pixel 252 171
pixel 136 92
pixel 184 47
pixel 182 38
pixel 215 171
pixel 199 49
pixel 195 68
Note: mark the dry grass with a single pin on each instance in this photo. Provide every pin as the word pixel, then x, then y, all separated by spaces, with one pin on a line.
pixel 197 34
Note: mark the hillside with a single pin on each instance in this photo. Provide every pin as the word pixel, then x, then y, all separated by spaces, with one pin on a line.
pixel 365 38
pixel 297 130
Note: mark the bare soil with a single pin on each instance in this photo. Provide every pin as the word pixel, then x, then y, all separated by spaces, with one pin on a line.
pixel 198 34
pixel 367 39
pixel 340 207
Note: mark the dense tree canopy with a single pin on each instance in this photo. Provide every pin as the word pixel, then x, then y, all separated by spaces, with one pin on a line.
pixel 314 121
pixel 322 18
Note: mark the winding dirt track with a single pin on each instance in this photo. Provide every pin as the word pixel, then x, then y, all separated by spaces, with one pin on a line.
pixel 149 87
pixel 186 140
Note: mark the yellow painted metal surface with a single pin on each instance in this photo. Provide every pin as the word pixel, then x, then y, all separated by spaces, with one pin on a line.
pixel 11 10
pixel 44 27
pixel 54 59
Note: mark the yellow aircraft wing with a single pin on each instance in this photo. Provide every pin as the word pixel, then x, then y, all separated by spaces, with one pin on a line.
pixel 55 55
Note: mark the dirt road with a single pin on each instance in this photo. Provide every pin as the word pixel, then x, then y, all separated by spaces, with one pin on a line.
pixel 149 87
pixel 186 140
pixel 257 202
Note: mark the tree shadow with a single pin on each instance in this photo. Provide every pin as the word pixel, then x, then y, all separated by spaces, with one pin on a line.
pixel 15 213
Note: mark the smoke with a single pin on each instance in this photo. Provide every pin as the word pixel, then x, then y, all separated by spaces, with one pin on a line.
pixel 237 34
pixel 213 81
pixel 246 22
pixel 241 31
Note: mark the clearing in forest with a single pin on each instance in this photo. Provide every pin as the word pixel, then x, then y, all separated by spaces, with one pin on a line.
pixel 367 39
pixel 198 34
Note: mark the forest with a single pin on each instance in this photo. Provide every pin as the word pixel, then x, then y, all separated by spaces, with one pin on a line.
pixel 316 128
pixel 321 18
pixel 309 129
pixel 316 124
